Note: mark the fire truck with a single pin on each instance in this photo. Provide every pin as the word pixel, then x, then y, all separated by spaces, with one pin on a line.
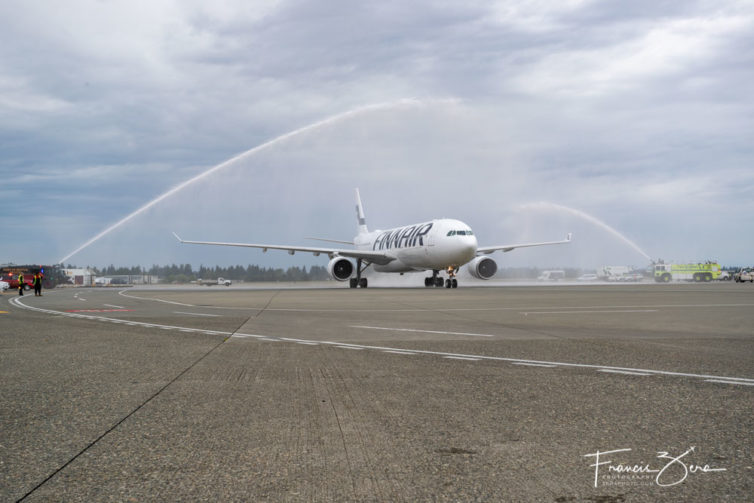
pixel 10 276
pixel 51 275
pixel 707 271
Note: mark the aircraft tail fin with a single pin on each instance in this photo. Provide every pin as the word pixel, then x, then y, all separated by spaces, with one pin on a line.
pixel 362 222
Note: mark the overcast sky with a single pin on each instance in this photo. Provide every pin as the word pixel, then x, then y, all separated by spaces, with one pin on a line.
pixel 525 119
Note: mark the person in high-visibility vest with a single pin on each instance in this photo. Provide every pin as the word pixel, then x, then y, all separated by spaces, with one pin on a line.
pixel 38 284
pixel 20 283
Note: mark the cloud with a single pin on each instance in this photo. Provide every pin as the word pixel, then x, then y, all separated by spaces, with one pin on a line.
pixel 665 48
pixel 535 16
pixel 635 113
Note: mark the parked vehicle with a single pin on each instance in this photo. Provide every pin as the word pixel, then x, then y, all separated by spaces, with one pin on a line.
pixel 707 271
pixel 613 272
pixel 213 282
pixel 631 277
pixel 12 281
pixel 588 277
pixel 745 274
pixel 555 275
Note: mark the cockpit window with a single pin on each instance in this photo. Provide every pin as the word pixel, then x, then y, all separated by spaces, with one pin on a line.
pixel 461 233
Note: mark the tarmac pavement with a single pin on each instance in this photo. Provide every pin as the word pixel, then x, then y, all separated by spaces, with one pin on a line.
pixel 474 394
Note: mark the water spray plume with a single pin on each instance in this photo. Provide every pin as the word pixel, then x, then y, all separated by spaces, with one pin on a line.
pixel 282 138
pixel 589 218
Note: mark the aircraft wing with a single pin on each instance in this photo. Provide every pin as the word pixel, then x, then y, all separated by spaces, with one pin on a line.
pixel 369 256
pixel 333 241
pixel 507 248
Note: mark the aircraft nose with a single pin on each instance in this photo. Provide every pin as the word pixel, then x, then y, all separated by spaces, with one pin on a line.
pixel 473 243
pixel 469 246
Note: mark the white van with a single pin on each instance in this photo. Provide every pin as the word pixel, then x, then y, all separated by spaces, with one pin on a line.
pixel 555 275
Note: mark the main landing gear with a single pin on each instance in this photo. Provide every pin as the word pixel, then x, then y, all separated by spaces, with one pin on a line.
pixel 433 280
pixel 358 281
pixel 436 280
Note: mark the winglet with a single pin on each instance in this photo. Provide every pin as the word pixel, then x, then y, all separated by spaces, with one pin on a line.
pixel 177 237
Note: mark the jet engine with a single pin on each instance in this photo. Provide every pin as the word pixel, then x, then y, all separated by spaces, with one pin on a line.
pixel 340 268
pixel 482 267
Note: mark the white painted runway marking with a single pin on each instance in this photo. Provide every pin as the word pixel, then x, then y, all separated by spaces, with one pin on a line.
pixel 721 381
pixel 116 307
pixel 396 352
pixel 546 365
pixel 521 309
pixel 197 314
pixel 744 381
pixel 17 303
pixel 156 300
pixel 526 313
pixel 626 372
pixel 420 331
pixel 476 309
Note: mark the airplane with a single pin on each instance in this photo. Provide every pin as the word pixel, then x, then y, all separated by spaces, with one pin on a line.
pixel 437 245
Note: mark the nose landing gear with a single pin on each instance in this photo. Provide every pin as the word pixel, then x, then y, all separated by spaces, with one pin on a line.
pixel 451 282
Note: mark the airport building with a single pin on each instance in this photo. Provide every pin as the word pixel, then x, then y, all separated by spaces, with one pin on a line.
pixel 80 277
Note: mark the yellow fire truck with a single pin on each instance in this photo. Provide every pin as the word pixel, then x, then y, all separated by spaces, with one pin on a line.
pixel 706 271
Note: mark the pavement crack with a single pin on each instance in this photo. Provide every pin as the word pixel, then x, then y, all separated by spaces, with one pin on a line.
pixel 277 292
pixel 257 314
pixel 326 377
pixel 119 422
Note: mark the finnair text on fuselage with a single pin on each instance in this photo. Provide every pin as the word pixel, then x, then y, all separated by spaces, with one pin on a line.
pixel 404 237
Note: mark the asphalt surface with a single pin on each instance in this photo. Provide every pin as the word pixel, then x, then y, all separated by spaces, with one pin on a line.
pixel 474 394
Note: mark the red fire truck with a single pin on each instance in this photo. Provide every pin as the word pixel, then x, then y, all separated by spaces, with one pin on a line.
pixel 10 276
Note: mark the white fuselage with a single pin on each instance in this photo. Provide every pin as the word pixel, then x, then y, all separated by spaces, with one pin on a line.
pixel 438 244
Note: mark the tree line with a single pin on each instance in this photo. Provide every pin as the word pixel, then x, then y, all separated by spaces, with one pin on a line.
pixel 184 273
